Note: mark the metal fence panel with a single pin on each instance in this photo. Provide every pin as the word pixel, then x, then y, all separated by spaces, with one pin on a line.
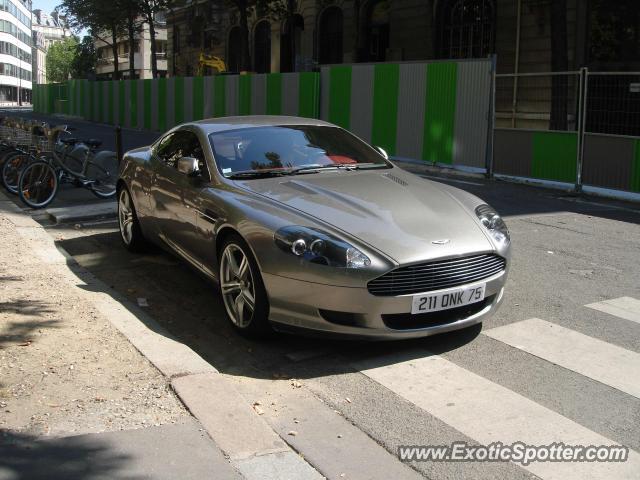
pixel 432 111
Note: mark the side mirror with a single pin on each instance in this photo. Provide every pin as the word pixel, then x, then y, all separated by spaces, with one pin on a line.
pixel 383 152
pixel 188 166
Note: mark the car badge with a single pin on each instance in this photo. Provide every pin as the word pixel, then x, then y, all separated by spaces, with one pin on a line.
pixel 444 241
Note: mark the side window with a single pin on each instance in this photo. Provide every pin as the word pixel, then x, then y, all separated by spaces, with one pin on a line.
pixel 166 149
pixel 180 144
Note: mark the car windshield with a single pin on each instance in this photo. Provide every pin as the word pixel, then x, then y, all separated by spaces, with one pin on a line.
pixel 283 150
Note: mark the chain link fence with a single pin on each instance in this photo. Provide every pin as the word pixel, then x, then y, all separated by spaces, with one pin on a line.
pixel 538 101
pixel 613 103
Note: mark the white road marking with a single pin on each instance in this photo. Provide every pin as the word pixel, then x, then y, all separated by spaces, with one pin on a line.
pixel 488 412
pixel 601 361
pixel 623 307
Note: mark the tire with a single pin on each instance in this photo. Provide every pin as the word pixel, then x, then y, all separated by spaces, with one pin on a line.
pixel 103 170
pixel 11 169
pixel 38 184
pixel 128 223
pixel 239 282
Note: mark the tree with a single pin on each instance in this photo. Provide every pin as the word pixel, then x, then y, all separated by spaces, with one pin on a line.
pixel 106 21
pixel 149 9
pixel 60 58
pixel 84 63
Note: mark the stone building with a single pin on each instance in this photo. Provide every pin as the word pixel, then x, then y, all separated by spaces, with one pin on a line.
pixel 602 35
pixel 142 53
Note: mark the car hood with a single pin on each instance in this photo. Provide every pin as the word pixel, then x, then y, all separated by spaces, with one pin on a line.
pixel 395 212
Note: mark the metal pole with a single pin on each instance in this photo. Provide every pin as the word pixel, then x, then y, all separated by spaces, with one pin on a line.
pixel 119 153
pixel 582 124
pixel 516 67
pixel 491 120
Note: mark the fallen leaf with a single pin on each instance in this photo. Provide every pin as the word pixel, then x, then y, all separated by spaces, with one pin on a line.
pixel 348 400
pixel 293 433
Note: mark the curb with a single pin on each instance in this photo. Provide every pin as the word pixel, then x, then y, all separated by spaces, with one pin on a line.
pixel 251 445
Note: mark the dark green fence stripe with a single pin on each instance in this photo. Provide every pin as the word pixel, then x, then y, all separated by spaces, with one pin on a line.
pixel 244 95
pixel 133 103
pixel 92 96
pixel 178 100
pixel 274 94
pixel 100 92
pixel 122 104
pixel 340 96
pixel 635 169
pixel 309 95
pixel 111 85
pixel 198 98
pixel 83 99
pixel 440 112
pixel 554 156
pixel 385 106
pixel 162 104
pixel 147 103
pixel 219 99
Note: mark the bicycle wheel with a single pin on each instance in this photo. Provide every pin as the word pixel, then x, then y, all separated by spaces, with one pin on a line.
pixel 38 184
pixel 12 168
pixel 102 170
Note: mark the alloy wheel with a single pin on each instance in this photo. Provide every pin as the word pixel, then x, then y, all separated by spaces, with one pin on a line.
pixel 237 285
pixel 125 216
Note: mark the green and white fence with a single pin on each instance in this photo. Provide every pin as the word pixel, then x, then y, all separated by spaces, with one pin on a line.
pixel 437 112
pixel 164 102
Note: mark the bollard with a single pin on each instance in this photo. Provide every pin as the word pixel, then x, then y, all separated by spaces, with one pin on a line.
pixel 119 144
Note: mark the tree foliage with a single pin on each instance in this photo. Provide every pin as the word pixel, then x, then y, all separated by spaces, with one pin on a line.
pixel 84 63
pixel 60 59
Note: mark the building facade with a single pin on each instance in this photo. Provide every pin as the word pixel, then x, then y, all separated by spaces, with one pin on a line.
pixel 46 30
pixel 15 51
pixel 142 53
pixel 525 35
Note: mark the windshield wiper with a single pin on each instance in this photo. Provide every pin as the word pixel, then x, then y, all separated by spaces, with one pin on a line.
pixel 256 174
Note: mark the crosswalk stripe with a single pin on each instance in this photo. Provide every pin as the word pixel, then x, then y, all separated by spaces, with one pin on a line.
pixel 623 307
pixel 601 361
pixel 488 412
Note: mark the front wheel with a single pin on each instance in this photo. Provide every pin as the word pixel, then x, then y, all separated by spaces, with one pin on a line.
pixel 130 230
pixel 103 171
pixel 242 289
pixel 38 184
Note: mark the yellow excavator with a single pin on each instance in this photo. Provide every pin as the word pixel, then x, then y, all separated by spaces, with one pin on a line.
pixel 210 61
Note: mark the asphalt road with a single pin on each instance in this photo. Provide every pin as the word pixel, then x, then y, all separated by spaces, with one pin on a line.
pixel 568 376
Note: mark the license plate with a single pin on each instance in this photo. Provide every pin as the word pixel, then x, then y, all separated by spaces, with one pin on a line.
pixel 446 299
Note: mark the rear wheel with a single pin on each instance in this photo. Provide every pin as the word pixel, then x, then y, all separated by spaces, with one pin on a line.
pixel 12 168
pixel 242 289
pixel 38 184
pixel 103 171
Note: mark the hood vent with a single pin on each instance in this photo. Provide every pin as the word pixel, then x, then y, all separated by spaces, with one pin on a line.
pixel 299 187
pixel 393 178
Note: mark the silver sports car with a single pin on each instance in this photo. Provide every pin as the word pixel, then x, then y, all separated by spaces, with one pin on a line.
pixel 305 226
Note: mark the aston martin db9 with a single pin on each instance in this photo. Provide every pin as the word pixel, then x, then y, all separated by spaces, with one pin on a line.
pixel 302 225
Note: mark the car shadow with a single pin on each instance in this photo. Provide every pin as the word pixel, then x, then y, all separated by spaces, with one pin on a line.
pixel 187 305
pixel 27 457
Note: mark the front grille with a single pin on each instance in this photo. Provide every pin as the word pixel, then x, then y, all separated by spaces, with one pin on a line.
pixel 429 276
pixel 406 321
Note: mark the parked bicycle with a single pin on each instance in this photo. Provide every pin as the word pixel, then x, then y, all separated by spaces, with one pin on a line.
pixel 39 181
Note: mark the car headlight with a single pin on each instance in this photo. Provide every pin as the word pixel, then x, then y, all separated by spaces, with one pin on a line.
pixel 322 248
pixel 494 223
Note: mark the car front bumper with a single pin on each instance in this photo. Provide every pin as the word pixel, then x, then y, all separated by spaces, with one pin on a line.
pixel 355 312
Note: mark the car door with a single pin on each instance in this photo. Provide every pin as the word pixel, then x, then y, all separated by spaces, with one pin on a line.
pixel 172 192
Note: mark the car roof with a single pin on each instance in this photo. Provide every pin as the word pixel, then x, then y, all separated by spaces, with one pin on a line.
pixel 220 124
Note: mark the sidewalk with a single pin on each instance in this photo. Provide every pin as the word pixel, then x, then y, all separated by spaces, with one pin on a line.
pixel 77 400
pixel 87 382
